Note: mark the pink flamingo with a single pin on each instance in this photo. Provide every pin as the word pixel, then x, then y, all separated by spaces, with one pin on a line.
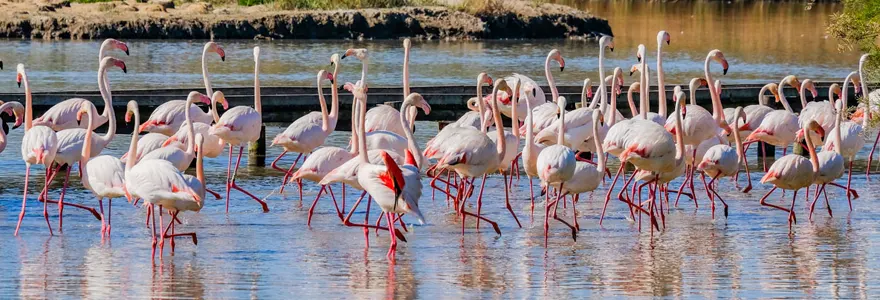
pixel 158 182
pixel 820 111
pixel 555 166
pixel 850 136
pixel 38 146
pixel 238 126
pixel 63 115
pixel 831 162
pixel 793 172
pixel 310 131
pixel 545 113
pixel 586 177
pixel 779 127
pixel 176 156
pixel 723 160
pixel 103 175
pixel 384 117
pixel 167 118
pixel 213 144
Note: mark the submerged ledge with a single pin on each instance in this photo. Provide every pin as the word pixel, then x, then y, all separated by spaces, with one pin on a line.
pixel 132 20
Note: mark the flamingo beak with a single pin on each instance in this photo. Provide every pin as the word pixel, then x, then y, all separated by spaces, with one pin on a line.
pixel 725 66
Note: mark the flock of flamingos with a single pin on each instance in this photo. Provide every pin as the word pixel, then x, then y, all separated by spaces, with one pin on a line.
pixel 388 165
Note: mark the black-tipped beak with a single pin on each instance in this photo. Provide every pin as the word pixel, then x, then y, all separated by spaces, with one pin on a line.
pixel 631 73
pixel 1 65
pixel 16 126
pixel 223 58
pixel 725 72
pixel 343 56
pixel 19 84
pixel 126 52
pixel 612 49
pixel 332 81
pixel 561 69
pixel 124 70
pixel 667 42
pixel 639 58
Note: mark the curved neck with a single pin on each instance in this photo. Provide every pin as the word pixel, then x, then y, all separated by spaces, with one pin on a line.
pixel 29 103
pixel 213 110
pixel 132 149
pixel 602 86
pixel 499 128
pixel 693 93
pixel 410 139
pixel 644 104
pixel 334 96
pixel 716 103
pixel 761 100
pixel 208 89
pixel 552 83
pixel 200 165
pixel 104 87
pixel 364 74
pixel 258 106
pixel 325 119
pixel 87 142
pixel 814 159
pixel 661 83
pixel 595 100
pixel 803 95
pixel 782 97
pixel 632 104
pixel 740 152
pixel 480 105
pixel 611 114
pixel 679 138
pixel 584 95
pixel 869 106
pixel 837 120
pixel 600 165
pixel 530 129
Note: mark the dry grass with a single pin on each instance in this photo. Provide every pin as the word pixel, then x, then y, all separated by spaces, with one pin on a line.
pixel 481 7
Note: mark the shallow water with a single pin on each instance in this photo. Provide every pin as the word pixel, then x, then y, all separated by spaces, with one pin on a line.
pixel 249 254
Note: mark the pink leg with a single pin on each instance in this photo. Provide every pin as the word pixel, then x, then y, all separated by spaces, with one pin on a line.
pixel 27 174
pixel 275 162
pixel 507 200
pixel 150 211
pixel 708 195
pixel 848 182
pixel 332 196
pixel 109 215
pixel 764 201
pixel 815 199
pixel 393 249
pixel 103 217
pixel 791 216
pixel 532 196
pixel 480 201
pixel 314 203
pixel 235 186
pixel 228 177
pixel 608 194
pixel 61 200
pixel 215 194
pixel 288 173
pixel 714 180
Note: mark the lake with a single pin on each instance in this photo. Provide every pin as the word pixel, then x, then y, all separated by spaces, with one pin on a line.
pixel 249 254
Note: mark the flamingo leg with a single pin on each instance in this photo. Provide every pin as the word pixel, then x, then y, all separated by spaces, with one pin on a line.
pixel 815 199
pixel 228 176
pixel 393 249
pixel 288 172
pixel 855 194
pixel 215 194
pixel 480 200
pixel 464 213
pixel 275 162
pixel 153 231
pixel 233 185
pixel 848 182
pixel 61 201
pixel 315 203
pixel 871 156
pixel 708 193
pixel 717 195
pixel 109 214
pixel 555 203
pixel 103 216
pixel 827 205
pixel 507 199
pixel 608 194
pixel 27 174
pixel 332 196
pixel 764 201
pixel 532 197
pixel 192 235
pixel 791 216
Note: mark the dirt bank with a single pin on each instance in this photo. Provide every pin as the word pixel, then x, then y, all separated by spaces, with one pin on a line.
pixel 161 20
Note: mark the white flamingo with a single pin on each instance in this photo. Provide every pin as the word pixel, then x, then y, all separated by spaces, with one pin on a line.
pixel 237 127
pixel 831 162
pixel 103 175
pixel 850 136
pixel 158 182
pixel 779 127
pixel 556 165
pixel 386 118
pixel 176 156
pixel 167 118
pixel 63 115
pixel 723 160
pixel 38 146
pixel 793 172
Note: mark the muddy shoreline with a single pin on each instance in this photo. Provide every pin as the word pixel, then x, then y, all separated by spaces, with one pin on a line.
pixel 156 20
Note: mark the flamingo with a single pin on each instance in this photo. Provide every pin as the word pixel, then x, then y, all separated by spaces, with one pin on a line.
pixel 434 148
pixel 167 118
pixel 384 117
pixel 38 146
pixel 177 157
pixel 723 160
pixel 471 154
pixel 831 162
pixel 556 165
pixel 532 94
pixel 820 111
pixel 70 141
pixel 868 116
pixel 850 136
pixel 149 143
pixel 544 114
pixel 158 182
pixel 530 153
pixel 793 172
pixel 213 144
pixel 586 177
pixel 13 108
pixel 662 36
pixel 310 131
pixel 198 183
pixel 779 127
pixel 238 126
pixel 577 126
pixel 103 175
pixel 63 115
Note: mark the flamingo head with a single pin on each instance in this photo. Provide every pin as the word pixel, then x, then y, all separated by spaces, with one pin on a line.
pixel 323 74
pixel 334 59
pixel 214 47
pixel 640 52
pixel 588 88
pixel 557 56
pixel 20 74
pixel 833 90
pixel 393 176
pixel 792 81
pixel 416 99
pixel 774 89
pixel 635 86
pixel 662 36
pixel 810 86
pixel 16 110
pixel 697 82
pixel 112 61
pixel 407 43
pixel 196 97
pixel 119 45
pixel 130 110
pixel 856 81
pixel 635 68
pixel 718 56
pixel 84 109
pixel 607 41
pixel 360 53
pixel 219 98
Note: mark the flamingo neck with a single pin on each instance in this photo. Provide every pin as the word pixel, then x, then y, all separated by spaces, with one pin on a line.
pixel 814 159
pixel 782 99
pixel 584 94
pixel 361 131
pixel 679 137
pixel 600 165
pixel 258 104
pixel 612 119
pixel 200 165
pixel 29 103
pixel 499 126
pixel 405 72
pixel 104 88
pixel 560 134
pixel 530 132
pixel 87 143
pixel 325 119
pixel 761 100
pixel 334 97
pixel 410 139
pixel 661 83
pixel 213 110
pixel 632 104
pixel 716 103
pixel 837 139
pixel 480 105
pixel 869 106
pixel 208 89
pixel 553 92
pixel 802 93
pixel 132 148
pixel 645 98
pixel 190 131
pixel 602 86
